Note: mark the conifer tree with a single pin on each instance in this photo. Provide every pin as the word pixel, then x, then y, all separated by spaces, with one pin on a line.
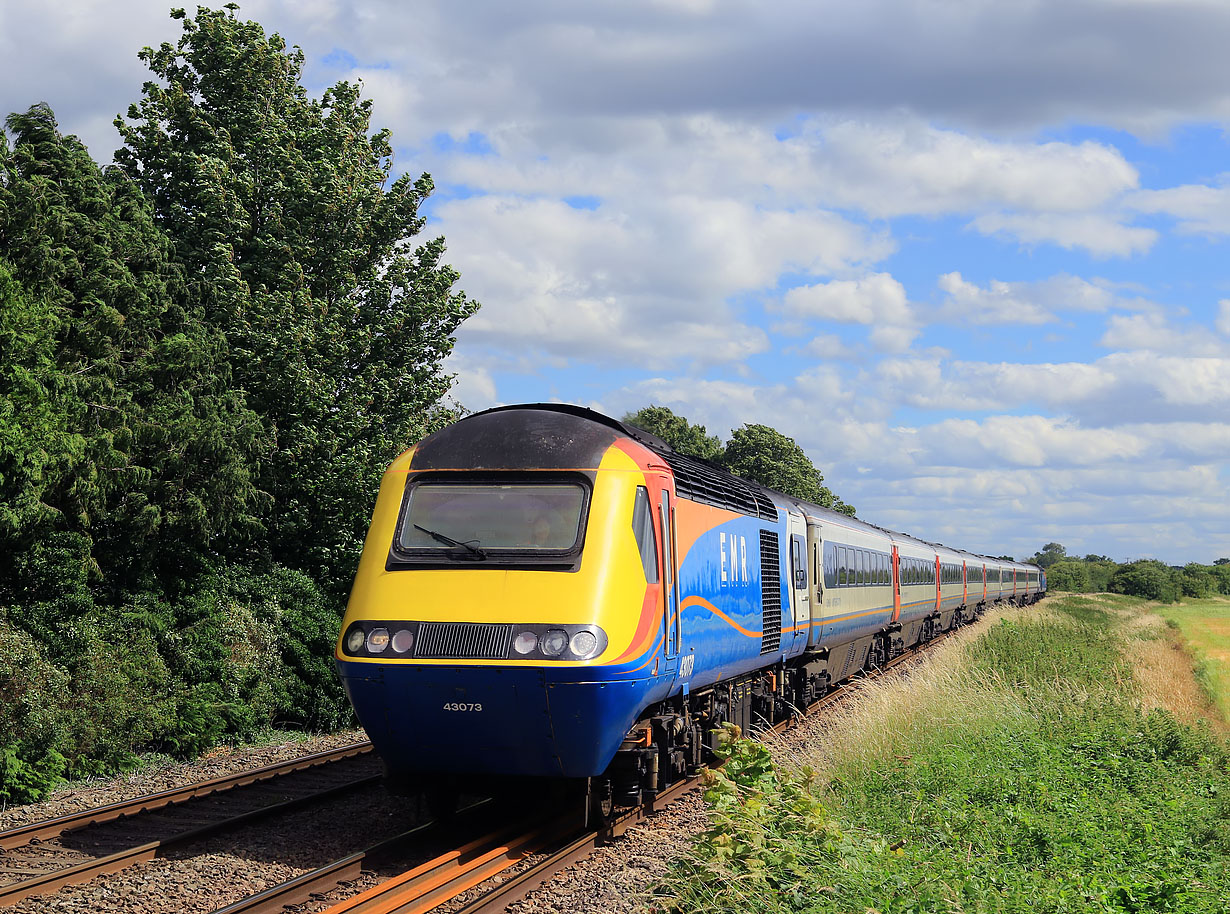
pixel 301 248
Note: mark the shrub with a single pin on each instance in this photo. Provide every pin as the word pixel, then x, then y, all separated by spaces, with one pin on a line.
pixel 1147 578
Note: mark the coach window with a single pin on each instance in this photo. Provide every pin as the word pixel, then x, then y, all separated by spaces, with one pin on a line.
pixel 798 563
pixel 643 527
pixel 843 568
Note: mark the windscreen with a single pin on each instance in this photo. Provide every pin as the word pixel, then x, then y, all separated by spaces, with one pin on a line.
pixel 477 518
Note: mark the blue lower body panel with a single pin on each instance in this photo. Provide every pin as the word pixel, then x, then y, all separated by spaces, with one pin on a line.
pixel 521 721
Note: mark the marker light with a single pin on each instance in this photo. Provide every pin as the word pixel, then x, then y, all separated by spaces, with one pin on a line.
pixel 354 641
pixel 377 640
pixel 583 643
pixel 403 640
pixel 554 642
pixel 525 643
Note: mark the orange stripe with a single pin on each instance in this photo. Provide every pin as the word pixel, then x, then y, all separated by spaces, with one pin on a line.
pixel 646 626
pixel 705 604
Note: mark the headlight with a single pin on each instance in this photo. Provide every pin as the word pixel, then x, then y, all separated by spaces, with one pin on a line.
pixel 554 642
pixel 583 643
pixel 377 640
pixel 354 641
pixel 403 640
pixel 525 643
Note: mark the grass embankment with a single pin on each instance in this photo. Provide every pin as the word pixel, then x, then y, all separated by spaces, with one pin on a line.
pixel 1205 627
pixel 1018 772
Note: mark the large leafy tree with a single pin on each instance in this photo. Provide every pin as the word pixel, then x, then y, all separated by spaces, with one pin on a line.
pixel 300 246
pixel 678 432
pixel 121 428
pixel 772 459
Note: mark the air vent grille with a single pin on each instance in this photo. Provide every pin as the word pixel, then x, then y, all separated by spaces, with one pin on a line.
pixel 770 592
pixel 463 640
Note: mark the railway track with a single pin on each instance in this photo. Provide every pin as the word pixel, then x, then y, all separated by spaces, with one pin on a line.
pixel 43 857
pixel 556 842
pixel 427 866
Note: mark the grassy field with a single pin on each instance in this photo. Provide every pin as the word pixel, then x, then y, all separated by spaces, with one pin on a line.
pixel 1027 768
pixel 1205 626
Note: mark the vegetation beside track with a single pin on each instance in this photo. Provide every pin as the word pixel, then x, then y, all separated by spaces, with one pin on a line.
pixel 209 352
pixel 1018 771
pixel 1205 629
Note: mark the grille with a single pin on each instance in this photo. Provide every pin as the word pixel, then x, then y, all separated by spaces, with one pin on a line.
pixel 463 640
pixel 770 592
pixel 699 482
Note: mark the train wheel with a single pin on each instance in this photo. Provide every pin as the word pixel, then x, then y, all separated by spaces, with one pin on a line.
pixel 601 801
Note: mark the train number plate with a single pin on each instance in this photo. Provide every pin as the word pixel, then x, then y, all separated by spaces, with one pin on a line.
pixel 462 706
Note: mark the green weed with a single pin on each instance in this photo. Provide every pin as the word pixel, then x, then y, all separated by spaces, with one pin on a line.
pixel 1040 787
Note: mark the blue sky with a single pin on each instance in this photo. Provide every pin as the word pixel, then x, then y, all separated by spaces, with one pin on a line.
pixel 969 255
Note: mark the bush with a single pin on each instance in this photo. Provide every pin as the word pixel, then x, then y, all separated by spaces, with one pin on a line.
pixel 232 654
pixel 1072 576
pixel 1147 578
pixel 1089 804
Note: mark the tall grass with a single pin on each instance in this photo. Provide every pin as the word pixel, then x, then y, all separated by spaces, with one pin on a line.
pixel 1018 771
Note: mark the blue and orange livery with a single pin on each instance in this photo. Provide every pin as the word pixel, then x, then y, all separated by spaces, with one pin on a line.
pixel 545 591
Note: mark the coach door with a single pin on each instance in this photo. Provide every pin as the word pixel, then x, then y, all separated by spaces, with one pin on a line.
pixel 670 578
pixel 896 583
pixel 815 547
pixel 800 600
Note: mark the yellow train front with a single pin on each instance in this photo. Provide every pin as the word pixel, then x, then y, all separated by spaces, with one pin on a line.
pixel 499 621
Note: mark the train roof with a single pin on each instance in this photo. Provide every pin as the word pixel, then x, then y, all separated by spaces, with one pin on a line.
pixel 487 443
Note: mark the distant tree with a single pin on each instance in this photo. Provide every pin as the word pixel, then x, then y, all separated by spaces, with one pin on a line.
pixel 1100 570
pixel 1221 574
pixel 1197 580
pixel 1049 555
pixel 1147 578
pixel 1222 561
pixel 1068 575
pixel 766 456
pixel 1091 557
pixel 676 431
pixel 299 246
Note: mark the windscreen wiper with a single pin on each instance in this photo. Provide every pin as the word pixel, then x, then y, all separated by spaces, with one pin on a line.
pixel 449 541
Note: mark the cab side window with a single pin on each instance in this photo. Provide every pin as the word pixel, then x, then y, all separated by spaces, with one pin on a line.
pixel 644 527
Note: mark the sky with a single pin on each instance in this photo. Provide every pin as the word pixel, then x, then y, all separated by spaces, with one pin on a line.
pixel 965 252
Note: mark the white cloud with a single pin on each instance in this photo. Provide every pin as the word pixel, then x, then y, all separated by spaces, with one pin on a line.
pixel 647 284
pixel 1100 234
pixel 1199 209
pixel 873 299
pixel 1223 317
pixel 876 300
pixel 901 166
pixel 1032 302
pixel 1154 333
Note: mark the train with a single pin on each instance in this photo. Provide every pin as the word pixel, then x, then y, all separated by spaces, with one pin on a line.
pixel 546 592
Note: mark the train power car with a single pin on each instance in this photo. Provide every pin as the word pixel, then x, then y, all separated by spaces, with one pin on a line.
pixel 546 592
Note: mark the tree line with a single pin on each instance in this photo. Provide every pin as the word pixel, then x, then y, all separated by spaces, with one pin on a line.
pixel 1146 578
pixel 210 349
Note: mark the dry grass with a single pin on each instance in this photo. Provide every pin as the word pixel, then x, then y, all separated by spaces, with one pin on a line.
pixel 940 699
pixel 1165 672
